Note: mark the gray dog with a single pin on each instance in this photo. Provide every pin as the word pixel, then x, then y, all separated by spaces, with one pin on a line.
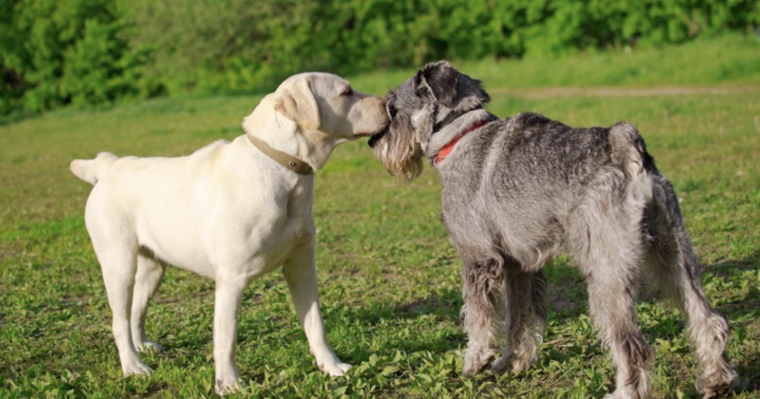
pixel 518 191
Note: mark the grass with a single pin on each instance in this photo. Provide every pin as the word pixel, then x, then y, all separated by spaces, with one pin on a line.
pixel 731 59
pixel 389 280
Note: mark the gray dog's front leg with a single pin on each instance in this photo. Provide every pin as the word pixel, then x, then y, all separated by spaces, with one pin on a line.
pixel 486 318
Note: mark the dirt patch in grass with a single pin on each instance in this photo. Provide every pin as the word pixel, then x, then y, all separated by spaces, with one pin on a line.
pixel 77 302
pixel 553 92
pixel 727 268
pixel 448 302
pixel 560 303
pixel 7 253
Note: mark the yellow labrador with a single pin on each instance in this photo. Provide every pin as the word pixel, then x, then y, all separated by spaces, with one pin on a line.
pixel 231 211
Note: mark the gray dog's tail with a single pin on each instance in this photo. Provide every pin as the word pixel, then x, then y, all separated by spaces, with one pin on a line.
pixel 91 170
pixel 629 152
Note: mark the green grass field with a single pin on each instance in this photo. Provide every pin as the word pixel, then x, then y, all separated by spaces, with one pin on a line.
pixel 389 280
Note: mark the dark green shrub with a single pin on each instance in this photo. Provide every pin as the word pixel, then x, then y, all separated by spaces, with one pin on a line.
pixel 69 51
pixel 56 52
pixel 100 67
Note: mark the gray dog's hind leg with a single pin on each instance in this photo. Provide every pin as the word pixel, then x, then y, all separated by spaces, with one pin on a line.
pixel 612 283
pixel 607 244
pixel 672 264
pixel 484 312
pixel 527 311
pixel 612 305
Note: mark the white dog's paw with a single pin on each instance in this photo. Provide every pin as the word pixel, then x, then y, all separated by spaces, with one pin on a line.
pixel 135 367
pixel 335 368
pixel 149 346
pixel 226 386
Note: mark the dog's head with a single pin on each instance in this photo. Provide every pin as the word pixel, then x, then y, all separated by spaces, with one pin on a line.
pixel 311 113
pixel 435 97
pixel 327 103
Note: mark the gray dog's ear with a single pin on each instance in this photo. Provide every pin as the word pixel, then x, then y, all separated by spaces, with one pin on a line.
pixel 439 80
pixel 296 101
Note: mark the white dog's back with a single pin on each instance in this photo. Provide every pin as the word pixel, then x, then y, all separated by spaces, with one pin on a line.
pixel 180 208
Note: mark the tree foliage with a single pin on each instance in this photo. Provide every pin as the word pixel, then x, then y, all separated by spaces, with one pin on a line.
pixel 56 52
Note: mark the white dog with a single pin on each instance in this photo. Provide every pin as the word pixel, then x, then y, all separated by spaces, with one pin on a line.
pixel 231 211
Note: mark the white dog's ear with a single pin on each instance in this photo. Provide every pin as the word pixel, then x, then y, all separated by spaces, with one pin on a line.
pixel 296 101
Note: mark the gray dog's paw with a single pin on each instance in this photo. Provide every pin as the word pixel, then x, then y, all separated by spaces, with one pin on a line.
pixel 475 360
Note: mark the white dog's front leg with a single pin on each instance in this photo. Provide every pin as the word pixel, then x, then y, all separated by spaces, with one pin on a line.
pixel 229 293
pixel 301 275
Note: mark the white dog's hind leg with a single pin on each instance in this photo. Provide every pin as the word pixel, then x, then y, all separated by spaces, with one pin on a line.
pixel 117 256
pixel 229 293
pixel 301 275
pixel 149 275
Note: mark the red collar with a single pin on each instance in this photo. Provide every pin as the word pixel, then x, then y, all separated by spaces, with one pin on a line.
pixel 446 150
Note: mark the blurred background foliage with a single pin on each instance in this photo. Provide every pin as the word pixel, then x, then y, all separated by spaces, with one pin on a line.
pixel 82 52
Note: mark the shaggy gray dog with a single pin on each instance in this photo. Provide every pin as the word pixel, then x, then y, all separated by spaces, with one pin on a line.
pixel 518 191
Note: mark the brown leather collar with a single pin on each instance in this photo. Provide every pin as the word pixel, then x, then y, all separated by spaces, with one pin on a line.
pixel 284 159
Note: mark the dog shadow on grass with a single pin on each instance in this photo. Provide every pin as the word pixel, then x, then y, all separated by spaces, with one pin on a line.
pixel 567 299
pixel 732 271
pixel 742 309
pixel 439 310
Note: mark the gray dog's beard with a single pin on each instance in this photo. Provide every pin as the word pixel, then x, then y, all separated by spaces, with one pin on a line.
pixel 376 137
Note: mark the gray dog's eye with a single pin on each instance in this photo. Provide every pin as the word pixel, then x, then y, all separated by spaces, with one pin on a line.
pixel 347 92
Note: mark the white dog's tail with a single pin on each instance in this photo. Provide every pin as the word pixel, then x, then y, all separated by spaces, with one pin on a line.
pixel 90 170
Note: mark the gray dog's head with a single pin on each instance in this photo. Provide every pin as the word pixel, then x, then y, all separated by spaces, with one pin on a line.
pixel 422 106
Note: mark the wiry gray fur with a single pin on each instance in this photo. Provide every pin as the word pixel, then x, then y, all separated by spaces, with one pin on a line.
pixel 517 192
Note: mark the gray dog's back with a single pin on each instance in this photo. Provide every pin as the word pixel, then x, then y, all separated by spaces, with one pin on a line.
pixel 521 178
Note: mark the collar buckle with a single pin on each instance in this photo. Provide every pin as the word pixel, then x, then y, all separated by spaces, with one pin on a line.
pixel 288 161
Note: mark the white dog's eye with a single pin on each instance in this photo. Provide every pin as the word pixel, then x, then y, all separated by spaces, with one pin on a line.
pixel 347 91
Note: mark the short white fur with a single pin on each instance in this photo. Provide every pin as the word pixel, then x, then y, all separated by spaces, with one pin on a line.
pixel 227 212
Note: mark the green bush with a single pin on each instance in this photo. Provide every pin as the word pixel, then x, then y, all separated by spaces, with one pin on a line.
pixel 69 51
pixel 208 46
pixel 99 51
pixel 100 67
pixel 11 89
